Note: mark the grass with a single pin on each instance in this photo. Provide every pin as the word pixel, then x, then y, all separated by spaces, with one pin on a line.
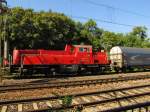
pixel 66 102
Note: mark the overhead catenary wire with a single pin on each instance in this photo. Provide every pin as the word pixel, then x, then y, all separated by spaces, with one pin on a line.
pixel 109 22
pixel 104 21
pixel 116 8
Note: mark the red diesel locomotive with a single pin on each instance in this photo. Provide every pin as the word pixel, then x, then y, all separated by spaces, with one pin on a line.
pixel 73 58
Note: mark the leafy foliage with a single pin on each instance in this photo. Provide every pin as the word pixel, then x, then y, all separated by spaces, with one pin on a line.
pixel 27 29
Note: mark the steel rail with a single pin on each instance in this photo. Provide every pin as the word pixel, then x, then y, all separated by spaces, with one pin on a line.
pixel 31 83
pixel 90 103
pixel 71 83
pixel 129 107
pixel 61 82
pixel 74 95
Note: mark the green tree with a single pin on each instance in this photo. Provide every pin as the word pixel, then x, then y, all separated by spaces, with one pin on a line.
pixel 28 29
pixel 137 37
pixel 140 31
pixel 132 41
pixel 50 30
pixel 91 34
pixel 110 39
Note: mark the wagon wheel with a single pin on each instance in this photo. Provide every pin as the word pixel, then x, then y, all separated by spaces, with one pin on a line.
pixel 117 69
pixel 124 69
pixel 29 72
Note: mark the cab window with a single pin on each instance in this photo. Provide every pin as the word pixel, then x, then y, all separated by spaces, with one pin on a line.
pixel 81 49
pixel 84 49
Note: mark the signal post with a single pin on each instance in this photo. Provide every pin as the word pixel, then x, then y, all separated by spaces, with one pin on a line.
pixel 3 9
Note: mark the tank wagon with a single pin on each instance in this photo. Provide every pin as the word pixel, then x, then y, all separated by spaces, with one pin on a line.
pixel 123 58
pixel 73 57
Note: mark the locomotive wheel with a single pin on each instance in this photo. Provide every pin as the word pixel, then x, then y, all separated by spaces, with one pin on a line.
pixel 95 71
pixel 124 69
pixel 69 69
pixel 29 72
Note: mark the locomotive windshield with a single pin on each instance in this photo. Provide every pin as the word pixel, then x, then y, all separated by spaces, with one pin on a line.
pixel 84 49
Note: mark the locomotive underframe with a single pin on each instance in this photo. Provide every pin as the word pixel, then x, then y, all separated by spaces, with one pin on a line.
pixel 49 69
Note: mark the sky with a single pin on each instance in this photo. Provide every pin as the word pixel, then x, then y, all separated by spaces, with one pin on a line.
pixel 130 13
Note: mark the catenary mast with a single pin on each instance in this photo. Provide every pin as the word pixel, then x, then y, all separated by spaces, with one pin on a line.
pixel 3 9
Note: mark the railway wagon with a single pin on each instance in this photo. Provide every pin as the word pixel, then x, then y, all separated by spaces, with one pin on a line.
pixel 73 58
pixel 123 58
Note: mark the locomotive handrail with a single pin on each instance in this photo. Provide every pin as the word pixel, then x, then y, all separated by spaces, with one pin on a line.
pixel 39 54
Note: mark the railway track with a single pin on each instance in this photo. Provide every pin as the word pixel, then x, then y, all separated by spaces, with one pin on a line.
pixel 59 84
pixel 91 101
